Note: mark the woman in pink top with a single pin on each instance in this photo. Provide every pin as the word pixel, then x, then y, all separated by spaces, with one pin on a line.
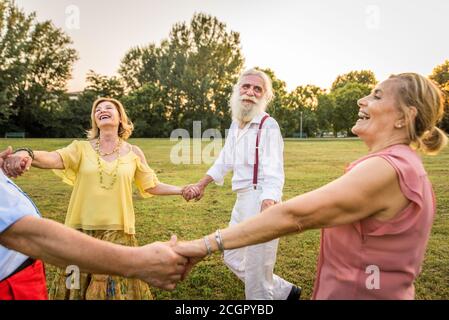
pixel 376 218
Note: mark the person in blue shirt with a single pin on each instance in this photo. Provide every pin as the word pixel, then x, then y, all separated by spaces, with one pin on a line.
pixel 26 238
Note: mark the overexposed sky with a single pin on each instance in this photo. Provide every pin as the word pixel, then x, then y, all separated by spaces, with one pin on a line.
pixel 304 42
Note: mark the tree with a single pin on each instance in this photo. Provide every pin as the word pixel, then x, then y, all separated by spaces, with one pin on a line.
pixel 15 27
pixel 278 106
pixel 303 102
pixel 73 119
pixel 36 61
pixel 49 61
pixel 440 75
pixel 140 65
pixel 325 113
pixel 344 93
pixel 346 108
pixel 365 77
pixel 147 110
pixel 103 86
pixel 286 107
pixel 195 67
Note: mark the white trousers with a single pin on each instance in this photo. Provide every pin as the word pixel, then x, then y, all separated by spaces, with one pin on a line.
pixel 254 264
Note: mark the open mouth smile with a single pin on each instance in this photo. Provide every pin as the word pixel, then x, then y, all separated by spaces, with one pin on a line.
pixel 104 116
pixel 363 116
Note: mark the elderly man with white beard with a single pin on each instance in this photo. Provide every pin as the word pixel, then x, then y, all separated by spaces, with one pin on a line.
pixel 254 152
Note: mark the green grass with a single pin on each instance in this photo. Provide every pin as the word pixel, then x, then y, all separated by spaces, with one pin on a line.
pixel 308 165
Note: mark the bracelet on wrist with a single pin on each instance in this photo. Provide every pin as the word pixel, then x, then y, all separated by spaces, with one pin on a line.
pixel 208 247
pixel 28 150
pixel 219 240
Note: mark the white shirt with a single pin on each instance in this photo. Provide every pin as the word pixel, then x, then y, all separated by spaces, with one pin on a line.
pixel 238 154
pixel 14 205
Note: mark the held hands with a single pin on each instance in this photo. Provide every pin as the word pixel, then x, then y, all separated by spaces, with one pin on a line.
pixel 160 265
pixel 193 191
pixel 164 264
pixel 194 250
pixel 3 155
pixel 15 164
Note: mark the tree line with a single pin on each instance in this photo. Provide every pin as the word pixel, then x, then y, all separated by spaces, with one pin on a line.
pixel 186 77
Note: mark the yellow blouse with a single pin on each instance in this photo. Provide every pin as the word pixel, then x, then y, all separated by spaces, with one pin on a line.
pixel 92 207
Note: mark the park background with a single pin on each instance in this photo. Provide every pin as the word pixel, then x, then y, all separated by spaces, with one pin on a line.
pixel 50 75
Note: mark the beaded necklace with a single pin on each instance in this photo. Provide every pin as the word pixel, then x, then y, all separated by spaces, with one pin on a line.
pixel 100 166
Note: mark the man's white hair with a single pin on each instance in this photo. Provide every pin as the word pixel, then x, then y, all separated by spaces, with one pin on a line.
pixel 268 86
pixel 244 114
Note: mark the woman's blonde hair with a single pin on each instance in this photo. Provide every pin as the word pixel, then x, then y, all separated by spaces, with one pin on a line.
pixel 420 92
pixel 125 128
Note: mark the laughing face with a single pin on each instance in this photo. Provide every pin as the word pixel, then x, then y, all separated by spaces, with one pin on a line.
pixel 379 114
pixel 106 114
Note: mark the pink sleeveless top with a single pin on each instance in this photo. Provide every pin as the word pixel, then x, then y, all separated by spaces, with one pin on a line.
pixel 371 259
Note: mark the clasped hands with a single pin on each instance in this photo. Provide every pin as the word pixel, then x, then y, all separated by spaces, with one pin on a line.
pixel 193 191
pixel 14 164
pixel 164 264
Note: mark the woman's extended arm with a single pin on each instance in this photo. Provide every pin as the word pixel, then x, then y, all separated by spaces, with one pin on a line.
pixel 370 189
pixel 21 161
pixel 47 160
pixel 161 189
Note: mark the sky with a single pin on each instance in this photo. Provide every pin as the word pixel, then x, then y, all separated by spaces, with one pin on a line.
pixel 304 42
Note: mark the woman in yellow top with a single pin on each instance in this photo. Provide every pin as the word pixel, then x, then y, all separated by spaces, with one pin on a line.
pixel 101 171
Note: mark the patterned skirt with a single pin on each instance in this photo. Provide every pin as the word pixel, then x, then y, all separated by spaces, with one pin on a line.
pixel 100 287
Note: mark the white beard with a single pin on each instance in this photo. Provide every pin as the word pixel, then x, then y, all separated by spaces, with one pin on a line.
pixel 244 113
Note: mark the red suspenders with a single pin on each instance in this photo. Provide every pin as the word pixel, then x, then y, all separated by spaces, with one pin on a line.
pixel 256 161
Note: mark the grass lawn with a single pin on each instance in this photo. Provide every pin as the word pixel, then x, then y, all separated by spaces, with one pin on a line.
pixel 308 165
